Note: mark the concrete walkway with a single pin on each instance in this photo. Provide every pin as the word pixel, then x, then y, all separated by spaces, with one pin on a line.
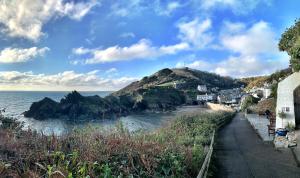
pixel 260 124
pixel 241 154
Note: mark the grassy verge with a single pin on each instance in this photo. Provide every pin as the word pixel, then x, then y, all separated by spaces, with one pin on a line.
pixel 176 150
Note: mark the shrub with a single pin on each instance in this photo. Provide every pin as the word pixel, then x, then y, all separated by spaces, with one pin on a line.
pixel 248 101
pixel 176 150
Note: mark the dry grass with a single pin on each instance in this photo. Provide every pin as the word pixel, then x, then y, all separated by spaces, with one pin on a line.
pixel 176 150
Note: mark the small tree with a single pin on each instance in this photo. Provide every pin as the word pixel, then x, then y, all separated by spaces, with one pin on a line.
pixel 290 42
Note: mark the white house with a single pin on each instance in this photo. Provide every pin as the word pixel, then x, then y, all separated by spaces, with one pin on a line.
pixel 202 88
pixel 267 92
pixel 288 101
pixel 206 97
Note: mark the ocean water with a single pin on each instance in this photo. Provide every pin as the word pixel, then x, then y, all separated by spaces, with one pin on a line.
pixel 16 103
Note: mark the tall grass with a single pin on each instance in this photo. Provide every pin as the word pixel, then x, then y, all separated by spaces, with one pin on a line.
pixel 176 150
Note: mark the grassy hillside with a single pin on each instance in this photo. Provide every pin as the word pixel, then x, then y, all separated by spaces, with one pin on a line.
pixel 188 78
pixel 260 80
pixel 160 85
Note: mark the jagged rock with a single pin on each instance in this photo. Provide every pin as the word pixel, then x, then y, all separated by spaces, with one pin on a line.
pixel 46 108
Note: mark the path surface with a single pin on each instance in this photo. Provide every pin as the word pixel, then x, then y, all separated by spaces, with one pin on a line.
pixel 241 154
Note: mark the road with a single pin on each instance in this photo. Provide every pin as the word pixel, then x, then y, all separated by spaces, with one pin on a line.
pixel 241 154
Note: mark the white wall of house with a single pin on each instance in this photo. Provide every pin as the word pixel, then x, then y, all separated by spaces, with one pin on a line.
pixel 285 99
pixel 205 97
pixel 267 92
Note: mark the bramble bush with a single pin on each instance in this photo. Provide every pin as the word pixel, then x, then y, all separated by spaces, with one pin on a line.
pixel 176 150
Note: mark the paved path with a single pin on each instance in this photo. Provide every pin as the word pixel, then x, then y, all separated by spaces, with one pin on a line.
pixel 241 154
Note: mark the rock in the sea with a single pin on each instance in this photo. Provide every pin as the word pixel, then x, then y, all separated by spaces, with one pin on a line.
pixel 46 108
pixel 75 107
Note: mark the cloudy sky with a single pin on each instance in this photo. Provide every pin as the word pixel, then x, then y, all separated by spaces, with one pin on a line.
pixel 105 45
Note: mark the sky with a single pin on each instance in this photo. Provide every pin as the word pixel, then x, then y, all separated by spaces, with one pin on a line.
pixel 94 45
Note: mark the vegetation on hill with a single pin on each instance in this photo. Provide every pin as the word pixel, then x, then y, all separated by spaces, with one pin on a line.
pixel 188 79
pixel 290 42
pixel 176 150
pixel 153 93
pixel 252 82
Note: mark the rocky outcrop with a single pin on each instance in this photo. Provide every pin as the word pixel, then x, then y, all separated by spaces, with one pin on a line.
pixel 76 107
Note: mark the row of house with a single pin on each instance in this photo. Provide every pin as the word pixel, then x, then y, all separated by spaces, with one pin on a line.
pixel 261 92
pixel 229 96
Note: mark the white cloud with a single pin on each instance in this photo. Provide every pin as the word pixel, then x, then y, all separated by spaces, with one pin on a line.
pixel 237 6
pixel 124 8
pixel 141 50
pixel 26 18
pixel 127 35
pixel 196 32
pixel 168 8
pixel 241 66
pixel 111 70
pixel 259 38
pixel 68 80
pixel 253 51
pixel 18 55
pixel 198 64
pixel 127 8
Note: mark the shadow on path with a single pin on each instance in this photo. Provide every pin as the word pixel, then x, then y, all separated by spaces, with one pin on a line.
pixel 241 153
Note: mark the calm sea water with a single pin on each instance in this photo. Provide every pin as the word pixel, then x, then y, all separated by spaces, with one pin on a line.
pixel 18 102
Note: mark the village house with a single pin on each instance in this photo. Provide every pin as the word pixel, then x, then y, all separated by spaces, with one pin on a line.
pixel 267 90
pixel 207 97
pixel 202 88
pixel 288 101
pixel 230 96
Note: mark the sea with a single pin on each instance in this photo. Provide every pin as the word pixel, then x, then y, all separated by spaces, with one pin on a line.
pixel 17 102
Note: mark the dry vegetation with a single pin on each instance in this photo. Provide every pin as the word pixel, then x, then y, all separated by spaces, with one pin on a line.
pixel 177 150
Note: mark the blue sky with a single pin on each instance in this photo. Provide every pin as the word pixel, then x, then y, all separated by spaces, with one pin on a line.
pixel 105 45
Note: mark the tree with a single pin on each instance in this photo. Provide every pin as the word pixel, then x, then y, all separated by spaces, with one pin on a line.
pixel 290 42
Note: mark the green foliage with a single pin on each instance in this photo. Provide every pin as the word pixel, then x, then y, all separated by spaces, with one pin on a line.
pixel 248 101
pixel 176 150
pixel 290 42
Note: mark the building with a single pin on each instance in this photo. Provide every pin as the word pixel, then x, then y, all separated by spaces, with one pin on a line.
pixel 202 88
pixel 206 97
pixel 288 101
pixel 230 96
pixel 178 85
pixel 267 92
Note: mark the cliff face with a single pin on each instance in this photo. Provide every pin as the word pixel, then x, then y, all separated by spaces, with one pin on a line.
pixel 153 93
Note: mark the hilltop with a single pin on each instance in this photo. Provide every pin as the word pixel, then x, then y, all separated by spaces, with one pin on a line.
pixel 188 78
pixel 153 93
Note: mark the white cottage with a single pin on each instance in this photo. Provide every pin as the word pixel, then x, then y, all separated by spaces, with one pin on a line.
pixel 288 101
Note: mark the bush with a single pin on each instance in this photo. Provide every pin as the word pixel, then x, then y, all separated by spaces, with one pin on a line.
pixel 176 150
pixel 248 101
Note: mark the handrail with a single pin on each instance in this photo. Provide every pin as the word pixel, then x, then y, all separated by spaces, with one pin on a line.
pixel 206 163
pixel 205 166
